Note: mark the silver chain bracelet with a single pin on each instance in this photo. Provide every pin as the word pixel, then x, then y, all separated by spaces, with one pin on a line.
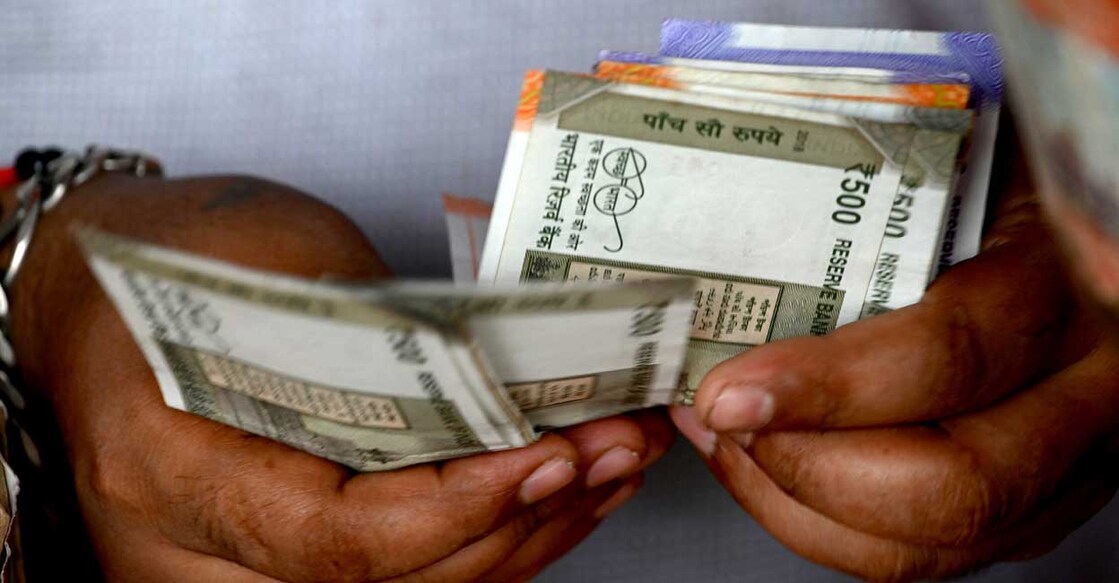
pixel 53 175
pixel 45 178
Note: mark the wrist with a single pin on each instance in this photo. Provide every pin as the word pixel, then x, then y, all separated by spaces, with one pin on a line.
pixel 51 300
pixel 60 313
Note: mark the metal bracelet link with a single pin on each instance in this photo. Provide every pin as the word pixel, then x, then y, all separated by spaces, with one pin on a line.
pixel 41 193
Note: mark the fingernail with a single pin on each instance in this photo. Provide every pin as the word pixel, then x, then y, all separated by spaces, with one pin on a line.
pixel 741 409
pixel 687 421
pixel 548 479
pixel 614 502
pixel 619 462
pixel 742 439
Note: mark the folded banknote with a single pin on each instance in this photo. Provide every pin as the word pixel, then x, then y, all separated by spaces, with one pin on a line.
pixel 382 376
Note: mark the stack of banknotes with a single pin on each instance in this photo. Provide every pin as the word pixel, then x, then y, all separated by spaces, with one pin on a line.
pixel 750 183
pixel 803 177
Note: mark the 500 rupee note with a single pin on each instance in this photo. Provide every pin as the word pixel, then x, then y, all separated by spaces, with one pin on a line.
pixel 910 55
pixel 778 212
pixel 384 376
pixel 907 257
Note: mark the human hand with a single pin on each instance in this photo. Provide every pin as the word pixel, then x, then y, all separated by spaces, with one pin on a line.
pixel 170 496
pixel 979 425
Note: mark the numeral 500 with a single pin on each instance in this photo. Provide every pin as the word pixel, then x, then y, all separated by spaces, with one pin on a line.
pixel 850 201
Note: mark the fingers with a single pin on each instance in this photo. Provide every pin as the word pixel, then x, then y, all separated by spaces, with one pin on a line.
pixel 518 549
pixel 659 433
pixel 220 491
pixel 376 525
pixel 217 490
pixel 910 484
pixel 286 513
pixel 558 537
pixel 640 439
pixel 821 539
pixel 554 541
pixel 687 420
pixel 527 543
pixel 951 483
pixel 817 537
pixel 290 515
pixel 1087 493
pixel 618 447
pixel 983 330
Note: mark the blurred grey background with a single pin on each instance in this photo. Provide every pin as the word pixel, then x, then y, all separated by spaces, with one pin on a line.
pixel 380 106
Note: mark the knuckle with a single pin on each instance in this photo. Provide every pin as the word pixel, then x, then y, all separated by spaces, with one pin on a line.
pixel 620 431
pixel 526 523
pixel 522 527
pixel 834 404
pixel 966 349
pixel 963 364
pixel 108 487
pixel 483 486
pixel 120 477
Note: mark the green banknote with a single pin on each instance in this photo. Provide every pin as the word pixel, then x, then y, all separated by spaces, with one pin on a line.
pixel 384 376
pixel 777 212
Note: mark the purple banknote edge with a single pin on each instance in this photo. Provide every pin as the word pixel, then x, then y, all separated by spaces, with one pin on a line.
pixel 974 53
pixel 639 58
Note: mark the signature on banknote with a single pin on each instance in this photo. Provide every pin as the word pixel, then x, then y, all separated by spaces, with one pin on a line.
pixel 185 319
pixel 620 198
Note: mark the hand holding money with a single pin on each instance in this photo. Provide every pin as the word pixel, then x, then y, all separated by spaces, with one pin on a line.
pixel 799 197
pixel 769 216
pixel 172 496
pixel 976 426
pixel 925 443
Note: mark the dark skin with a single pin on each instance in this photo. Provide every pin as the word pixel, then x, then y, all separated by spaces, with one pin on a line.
pixel 979 425
pixel 170 496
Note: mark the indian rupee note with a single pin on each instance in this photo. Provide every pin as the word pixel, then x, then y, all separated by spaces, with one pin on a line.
pixel 303 362
pixel 864 74
pixel 777 212
pixel 908 53
pixel 949 95
pixel 570 354
pixel 907 258
pixel 377 376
